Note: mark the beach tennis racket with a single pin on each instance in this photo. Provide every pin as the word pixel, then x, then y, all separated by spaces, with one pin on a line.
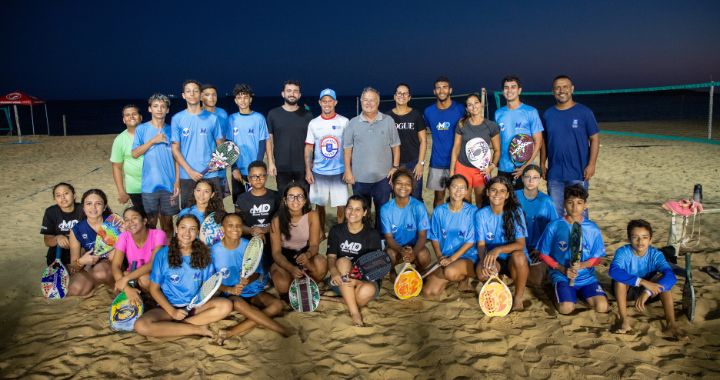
pixel 225 155
pixel 252 257
pixel 207 291
pixel 408 282
pixel 304 294
pixel 495 298
pixel 123 311
pixel 688 294
pixel 210 231
pixel 575 246
pixel 55 279
pixel 520 149
pixel 478 152
pixel 371 266
pixel 107 235
pixel 432 269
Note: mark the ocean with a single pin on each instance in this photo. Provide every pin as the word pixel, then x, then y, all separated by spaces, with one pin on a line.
pixel 89 117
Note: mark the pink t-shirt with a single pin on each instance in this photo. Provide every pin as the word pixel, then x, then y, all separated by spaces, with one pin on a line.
pixel 142 255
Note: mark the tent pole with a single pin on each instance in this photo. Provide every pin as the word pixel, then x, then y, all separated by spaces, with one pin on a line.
pixel 47 121
pixel 17 122
pixel 32 118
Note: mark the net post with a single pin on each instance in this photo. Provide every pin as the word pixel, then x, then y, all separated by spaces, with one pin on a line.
pixel 357 106
pixel 710 112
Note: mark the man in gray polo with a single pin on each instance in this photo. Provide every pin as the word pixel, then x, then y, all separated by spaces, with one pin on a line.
pixel 372 151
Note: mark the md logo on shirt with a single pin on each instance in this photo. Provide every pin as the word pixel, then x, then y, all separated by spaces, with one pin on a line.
pixel 66 226
pixel 203 131
pixel 443 126
pixel 262 209
pixel 410 227
pixel 349 247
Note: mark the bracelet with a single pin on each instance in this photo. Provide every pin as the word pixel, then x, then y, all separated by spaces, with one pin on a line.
pixel 649 293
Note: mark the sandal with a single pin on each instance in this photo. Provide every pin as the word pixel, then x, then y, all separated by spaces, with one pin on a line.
pixel 711 271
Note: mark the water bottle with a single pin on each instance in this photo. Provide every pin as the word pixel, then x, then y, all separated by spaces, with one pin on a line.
pixel 697 193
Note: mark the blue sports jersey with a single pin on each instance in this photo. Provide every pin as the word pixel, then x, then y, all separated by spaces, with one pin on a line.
pixel 538 213
pixel 181 284
pixel 522 120
pixel 85 235
pixel 629 268
pixel 193 210
pixel 247 132
pixel 158 171
pixel 568 148
pixel 404 223
pixel 326 137
pixel 453 229
pixel 229 263
pixel 221 113
pixel 442 125
pixel 555 242
pixel 489 228
pixel 197 135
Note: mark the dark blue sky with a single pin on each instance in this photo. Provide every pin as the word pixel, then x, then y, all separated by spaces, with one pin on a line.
pixel 79 49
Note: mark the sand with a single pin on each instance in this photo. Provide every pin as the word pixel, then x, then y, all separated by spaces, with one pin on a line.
pixel 405 339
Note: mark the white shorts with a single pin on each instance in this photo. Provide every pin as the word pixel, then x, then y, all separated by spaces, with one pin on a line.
pixel 436 179
pixel 329 190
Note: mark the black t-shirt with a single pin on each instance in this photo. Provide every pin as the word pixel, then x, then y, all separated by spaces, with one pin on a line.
pixel 257 211
pixel 408 126
pixel 57 222
pixel 345 244
pixel 289 130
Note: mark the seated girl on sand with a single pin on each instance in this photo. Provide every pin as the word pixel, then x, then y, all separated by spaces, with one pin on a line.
pixel 178 272
pixel 346 243
pixel 136 244
pixel 554 247
pixel 206 199
pixel 89 271
pixel 405 222
pixel 501 231
pixel 452 234
pixel 537 206
pixel 640 272
pixel 58 220
pixel 295 239
pixel 247 294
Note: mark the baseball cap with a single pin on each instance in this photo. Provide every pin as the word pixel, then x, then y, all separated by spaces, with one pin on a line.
pixel 328 92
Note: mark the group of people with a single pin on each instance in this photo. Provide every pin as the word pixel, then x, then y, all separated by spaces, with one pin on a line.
pixel 160 168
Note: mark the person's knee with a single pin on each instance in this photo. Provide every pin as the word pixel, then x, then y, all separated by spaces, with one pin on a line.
pixel 452 274
pixel 142 326
pixel 601 305
pixel 566 308
pixel 223 307
pixel 518 260
pixel 274 308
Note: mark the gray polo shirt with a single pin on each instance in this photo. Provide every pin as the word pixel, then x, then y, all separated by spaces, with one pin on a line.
pixel 371 144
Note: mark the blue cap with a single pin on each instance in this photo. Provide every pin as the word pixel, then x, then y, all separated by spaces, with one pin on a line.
pixel 328 92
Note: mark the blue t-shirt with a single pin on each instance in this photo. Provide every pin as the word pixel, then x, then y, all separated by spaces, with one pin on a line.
pixel 404 223
pixel 197 135
pixel 453 229
pixel 181 284
pixel 629 268
pixel 220 113
pixel 489 228
pixel 158 171
pixel 522 120
pixel 192 210
pixel 326 137
pixel 247 132
pixel 442 125
pixel 538 213
pixel 555 242
pixel 85 235
pixel 566 137
pixel 229 263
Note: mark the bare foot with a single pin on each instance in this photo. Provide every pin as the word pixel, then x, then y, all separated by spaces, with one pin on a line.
pixel 677 332
pixel 357 320
pixel 288 332
pixel 465 286
pixel 205 331
pixel 220 337
pixel 624 327
pixel 518 304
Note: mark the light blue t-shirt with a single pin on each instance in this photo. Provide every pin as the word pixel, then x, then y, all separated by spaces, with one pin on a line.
pixel 196 135
pixel 158 171
pixel 247 132
pixel 442 125
pixel 629 268
pixel 326 137
pixel 194 211
pixel 522 120
pixel 229 263
pixel 489 228
pixel 453 229
pixel 555 242
pixel 404 223
pixel 181 284
pixel 538 213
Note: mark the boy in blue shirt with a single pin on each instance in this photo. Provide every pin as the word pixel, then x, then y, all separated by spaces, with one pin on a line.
pixel 641 273
pixel 554 250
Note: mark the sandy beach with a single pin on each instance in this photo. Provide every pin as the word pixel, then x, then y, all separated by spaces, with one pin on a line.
pixel 421 339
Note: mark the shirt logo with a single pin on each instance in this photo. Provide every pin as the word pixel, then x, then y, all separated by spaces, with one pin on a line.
pixel 349 247
pixel 410 227
pixel 67 225
pixel 84 236
pixel 225 272
pixel 443 126
pixel 575 123
pixel 502 127
pixel 196 276
pixel 489 236
pixel 329 146
pixel 461 233
pixel 251 131
pixel 175 278
pixel 203 131
pixel 393 228
pixel 563 245
pixel 405 125
pixel 235 130
pixel 262 209
pixel 186 132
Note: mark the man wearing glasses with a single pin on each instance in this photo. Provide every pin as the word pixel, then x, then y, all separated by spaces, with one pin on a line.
pixel 372 152
pixel 411 127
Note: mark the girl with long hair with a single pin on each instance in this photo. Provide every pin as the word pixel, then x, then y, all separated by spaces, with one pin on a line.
pixel 205 200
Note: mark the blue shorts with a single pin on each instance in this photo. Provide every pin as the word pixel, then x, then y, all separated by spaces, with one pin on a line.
pixel 566 293
pixel 159 203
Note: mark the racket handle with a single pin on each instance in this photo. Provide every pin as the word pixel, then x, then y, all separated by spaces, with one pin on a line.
pixel 572 282
pixel 58 252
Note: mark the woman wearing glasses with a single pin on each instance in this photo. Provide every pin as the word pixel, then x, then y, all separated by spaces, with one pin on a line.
pixel 295 240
